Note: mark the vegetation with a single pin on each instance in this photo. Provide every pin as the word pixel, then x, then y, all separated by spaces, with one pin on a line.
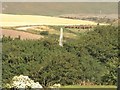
pixel 90 59
pixel 44 33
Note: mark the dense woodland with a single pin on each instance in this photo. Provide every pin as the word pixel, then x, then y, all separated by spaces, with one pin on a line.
pixel 90 59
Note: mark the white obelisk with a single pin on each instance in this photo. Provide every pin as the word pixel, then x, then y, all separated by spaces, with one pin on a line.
pixel 61 37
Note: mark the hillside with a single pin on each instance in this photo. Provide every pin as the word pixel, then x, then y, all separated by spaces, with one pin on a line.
pixel 55 9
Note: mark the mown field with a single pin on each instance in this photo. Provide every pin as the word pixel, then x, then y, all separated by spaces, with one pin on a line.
pixel 20 20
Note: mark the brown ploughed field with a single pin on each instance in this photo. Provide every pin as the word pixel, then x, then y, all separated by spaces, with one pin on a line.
pixel 23 35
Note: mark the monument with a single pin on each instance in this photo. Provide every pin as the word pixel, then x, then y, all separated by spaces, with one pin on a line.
pixel 61 37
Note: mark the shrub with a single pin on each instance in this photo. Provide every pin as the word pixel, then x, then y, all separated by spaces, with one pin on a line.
pixel 44 33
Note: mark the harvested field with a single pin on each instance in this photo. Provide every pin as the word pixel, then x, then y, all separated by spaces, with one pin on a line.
pixel 21 20
pixel 23 35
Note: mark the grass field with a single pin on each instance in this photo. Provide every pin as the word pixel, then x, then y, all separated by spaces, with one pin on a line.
pixel 21 20
pixel 89 87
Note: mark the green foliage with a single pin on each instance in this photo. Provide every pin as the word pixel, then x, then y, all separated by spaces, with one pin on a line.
pixel 44 33
pixel 93 57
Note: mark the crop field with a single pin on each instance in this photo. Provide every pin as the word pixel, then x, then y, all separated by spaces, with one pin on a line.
pixel 20 20
pixel 23 35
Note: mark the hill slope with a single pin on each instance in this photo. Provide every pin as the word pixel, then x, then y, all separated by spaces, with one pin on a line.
pixel 54 9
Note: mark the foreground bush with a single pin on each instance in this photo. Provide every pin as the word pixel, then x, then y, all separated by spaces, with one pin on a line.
pixel 23 82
